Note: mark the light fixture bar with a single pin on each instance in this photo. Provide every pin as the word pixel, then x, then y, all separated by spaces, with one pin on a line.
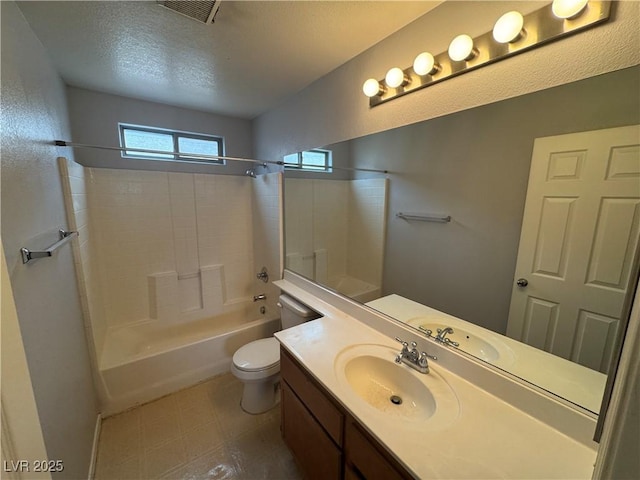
pixel 540 27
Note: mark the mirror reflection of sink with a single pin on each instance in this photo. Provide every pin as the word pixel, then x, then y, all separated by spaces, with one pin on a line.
pixel 469 342
pixel 371 373
pixel 489 350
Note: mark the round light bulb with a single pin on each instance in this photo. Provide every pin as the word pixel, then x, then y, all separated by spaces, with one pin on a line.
pixel 508 28
pixel 568 8
pixel 372 87
pixel 425 64
pixel 395 77
pixel 461 48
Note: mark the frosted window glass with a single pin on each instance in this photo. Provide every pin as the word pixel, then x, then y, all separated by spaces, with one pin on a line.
pixel 148 141
pixel 197 145
pixel 180 146
pixel 313 160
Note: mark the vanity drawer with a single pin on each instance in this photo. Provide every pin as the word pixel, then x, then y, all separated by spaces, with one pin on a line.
pixel 316 453
pixel 366 460
pixel 312 396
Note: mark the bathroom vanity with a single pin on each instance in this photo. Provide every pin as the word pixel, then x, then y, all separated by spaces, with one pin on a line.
pixel 461 420
pixel 325 439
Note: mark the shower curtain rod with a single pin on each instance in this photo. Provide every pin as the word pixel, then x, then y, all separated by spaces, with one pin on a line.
pixel 264 163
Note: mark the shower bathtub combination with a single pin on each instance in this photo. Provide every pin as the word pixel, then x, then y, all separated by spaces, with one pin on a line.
pixel 169 299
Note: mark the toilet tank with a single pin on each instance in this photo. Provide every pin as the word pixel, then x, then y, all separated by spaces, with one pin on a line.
pixel 294 313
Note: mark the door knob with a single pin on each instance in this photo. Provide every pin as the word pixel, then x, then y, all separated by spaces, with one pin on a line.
pixel 522 282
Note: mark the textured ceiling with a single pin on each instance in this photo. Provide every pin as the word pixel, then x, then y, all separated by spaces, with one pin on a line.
pixel 254 56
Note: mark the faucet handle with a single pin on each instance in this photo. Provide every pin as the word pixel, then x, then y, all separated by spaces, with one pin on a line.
pixel 425 355
pixel 414 345
pixel 428 331
pixel 448 341
pixel 404 344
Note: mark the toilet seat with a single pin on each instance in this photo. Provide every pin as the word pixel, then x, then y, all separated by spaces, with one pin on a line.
pixel 263 354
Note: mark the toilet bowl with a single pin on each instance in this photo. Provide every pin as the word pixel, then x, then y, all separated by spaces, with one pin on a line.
pixel 257 364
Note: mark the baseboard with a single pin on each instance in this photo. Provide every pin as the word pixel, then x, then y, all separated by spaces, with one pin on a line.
pixel 94 450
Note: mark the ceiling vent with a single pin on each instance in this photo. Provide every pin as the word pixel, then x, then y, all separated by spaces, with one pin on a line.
pixel 204 12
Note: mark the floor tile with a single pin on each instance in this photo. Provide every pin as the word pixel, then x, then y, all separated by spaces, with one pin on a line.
pixel 197 433
pixel 215 464
pixel 203 438
pixel 165 457
pixel 160 431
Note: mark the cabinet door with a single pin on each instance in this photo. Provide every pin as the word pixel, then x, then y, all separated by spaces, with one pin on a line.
pixel 365 459
pixel 316 454
pixel 312 396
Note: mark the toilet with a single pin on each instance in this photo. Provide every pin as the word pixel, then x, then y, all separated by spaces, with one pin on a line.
pixel 257 364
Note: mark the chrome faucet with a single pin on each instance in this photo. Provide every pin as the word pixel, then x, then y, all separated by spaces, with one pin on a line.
pixel 257 298
pixel 414 358
pixel 442 337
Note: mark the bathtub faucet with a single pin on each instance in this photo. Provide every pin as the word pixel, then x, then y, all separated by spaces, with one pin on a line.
pixel 257 298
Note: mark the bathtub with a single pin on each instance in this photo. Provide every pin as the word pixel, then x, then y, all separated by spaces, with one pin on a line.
pixel 356 289
pixel 146 360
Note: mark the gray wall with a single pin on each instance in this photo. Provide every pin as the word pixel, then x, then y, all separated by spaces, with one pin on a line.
pixel 95 116
pixel 333 108
pixel 474 166
pixel 45 292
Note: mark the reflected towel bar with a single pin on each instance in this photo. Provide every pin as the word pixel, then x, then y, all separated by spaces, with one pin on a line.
pixel 424 218
pixel 28 255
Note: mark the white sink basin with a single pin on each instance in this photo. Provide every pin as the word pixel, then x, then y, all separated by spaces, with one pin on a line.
pixel 393 390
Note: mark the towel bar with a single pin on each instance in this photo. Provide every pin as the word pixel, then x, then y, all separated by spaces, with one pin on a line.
pixel 28 255
pixel 424 218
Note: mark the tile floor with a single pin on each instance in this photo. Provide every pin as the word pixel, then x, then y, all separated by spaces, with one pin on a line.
pixel 197 433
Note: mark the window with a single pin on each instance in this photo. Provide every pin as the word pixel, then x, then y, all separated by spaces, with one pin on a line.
pixel 186 144
pixel 310 160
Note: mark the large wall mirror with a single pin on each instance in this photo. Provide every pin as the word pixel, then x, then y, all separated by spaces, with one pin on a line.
pixel 481 272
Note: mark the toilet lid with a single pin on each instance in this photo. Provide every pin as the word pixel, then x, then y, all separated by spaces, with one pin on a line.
pixel 257 355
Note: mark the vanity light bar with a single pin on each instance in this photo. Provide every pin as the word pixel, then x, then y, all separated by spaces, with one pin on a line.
pixel 538 27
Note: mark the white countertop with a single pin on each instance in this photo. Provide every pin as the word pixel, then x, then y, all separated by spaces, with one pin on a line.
pixel 488 439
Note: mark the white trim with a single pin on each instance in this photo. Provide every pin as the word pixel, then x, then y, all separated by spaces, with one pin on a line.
pixel 8 450
pixel 94 450
pixel 20 420
pixel 608 462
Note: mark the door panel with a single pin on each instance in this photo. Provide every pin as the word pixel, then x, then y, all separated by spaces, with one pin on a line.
pixel 554 235
pixel 579 233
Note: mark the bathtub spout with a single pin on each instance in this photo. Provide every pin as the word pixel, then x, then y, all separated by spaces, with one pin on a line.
pixel 257 298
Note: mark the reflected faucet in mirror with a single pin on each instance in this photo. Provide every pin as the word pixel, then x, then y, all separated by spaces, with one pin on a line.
pixel 442 337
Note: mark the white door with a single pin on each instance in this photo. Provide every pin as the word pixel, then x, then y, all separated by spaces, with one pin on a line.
pixel 578 239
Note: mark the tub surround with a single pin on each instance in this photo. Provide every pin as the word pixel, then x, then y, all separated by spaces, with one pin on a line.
pixel 166 265
pixel 335 232
pixel 576 383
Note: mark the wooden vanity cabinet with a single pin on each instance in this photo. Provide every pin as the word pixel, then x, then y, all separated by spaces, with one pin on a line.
pixel 326 441
pixel 366 459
